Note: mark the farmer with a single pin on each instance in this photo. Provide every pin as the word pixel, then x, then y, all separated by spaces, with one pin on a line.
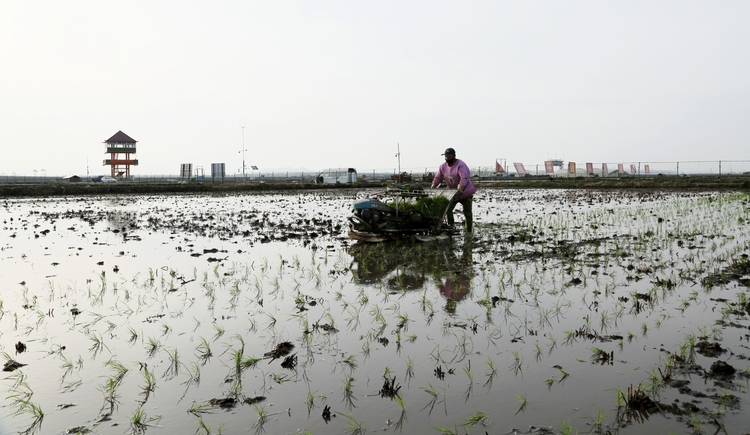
pixel 457 176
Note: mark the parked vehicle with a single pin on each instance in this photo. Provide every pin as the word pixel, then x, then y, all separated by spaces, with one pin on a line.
pixel 104 179
pixel 402 177
pixel 337 175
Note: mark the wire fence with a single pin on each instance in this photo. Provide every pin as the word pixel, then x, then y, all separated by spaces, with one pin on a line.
pixel 569 169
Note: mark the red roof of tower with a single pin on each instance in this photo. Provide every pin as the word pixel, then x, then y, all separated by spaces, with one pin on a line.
pixel 120 137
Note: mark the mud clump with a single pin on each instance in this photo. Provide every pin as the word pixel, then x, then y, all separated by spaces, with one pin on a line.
pixel 722 371
pixel 711 350
pixel 390 388
pixel 226 402
pixel 254 400
pixel 282 349
pixel 12 365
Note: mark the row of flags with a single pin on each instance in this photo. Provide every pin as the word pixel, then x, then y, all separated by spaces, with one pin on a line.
pixel 549 168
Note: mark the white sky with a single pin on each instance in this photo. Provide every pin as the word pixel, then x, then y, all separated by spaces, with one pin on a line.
pixel 339 83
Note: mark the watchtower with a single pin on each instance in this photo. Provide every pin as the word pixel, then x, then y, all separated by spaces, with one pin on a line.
pixel 121 150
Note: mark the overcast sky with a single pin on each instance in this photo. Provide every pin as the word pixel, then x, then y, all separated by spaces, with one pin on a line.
pixel 321 84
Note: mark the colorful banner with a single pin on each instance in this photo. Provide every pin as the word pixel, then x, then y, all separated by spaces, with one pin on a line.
pixel 571 167
pixel 620 169
pixel 647 169
pixel 632 169
pixel 549 167
pixel 605 172
pixel 499 168
pixel 520 169
pixel 590 168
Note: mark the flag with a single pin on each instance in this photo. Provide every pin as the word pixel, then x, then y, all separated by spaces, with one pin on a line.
pixel 499 168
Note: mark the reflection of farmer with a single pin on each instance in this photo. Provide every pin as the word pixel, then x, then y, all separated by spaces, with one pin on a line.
pixel 457 176
pixel 457 284
pixel 456 287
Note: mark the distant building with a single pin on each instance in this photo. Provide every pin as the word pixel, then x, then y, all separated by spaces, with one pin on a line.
pixel 72 178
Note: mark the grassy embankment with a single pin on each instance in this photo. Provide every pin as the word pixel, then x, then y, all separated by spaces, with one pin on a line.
pixel 729 182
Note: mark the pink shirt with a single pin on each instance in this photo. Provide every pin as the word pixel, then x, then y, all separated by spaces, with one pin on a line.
pixel 456 176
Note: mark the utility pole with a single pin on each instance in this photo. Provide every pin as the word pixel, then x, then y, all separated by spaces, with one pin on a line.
pixel 398 154
pixel 243 151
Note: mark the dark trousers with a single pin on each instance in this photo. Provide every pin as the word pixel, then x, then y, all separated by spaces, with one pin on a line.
pixel 468 216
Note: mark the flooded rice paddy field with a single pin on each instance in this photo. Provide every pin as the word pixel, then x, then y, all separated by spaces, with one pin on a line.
pixel 568 311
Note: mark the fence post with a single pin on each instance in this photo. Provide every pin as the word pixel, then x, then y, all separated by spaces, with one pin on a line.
pixel 719 168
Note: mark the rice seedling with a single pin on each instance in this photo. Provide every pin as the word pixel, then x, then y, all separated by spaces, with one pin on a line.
pixel 202 426
pixel 403 321
pixel 33 410
pixel 377 313
pixel 478 417
pixel 219 331
pixel 109 390
pixel 493 336
pixel 250 362
pixel 447 431
pixel 566 428
pixel 152 347
pixel 549 382
pixel 517 363
pixel 139 421
pixel 97 345
pixel 253 325
pixel 470 387
pixel 521 398
pixel 165 329
pixel 20 400
pixel 355 426
pixel 271 321
pixel 598 421
pixel 349 398
pixel 695 422
pixel 349 362
pixel 149 382
pixel 173 368
pixel 133 335
pixel 203 351
pixel 552 343
pixel 119 369
pixel 409 370
pixel 262 419
pixel 194 377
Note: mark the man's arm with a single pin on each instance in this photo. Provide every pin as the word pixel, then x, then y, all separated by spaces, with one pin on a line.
pixel 438 178
pixel 465 175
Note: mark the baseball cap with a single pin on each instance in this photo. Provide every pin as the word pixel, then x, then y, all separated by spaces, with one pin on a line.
pixel 449 151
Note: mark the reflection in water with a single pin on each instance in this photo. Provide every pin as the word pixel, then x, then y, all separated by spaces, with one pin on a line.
pixel 406 266
pixel 121 220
